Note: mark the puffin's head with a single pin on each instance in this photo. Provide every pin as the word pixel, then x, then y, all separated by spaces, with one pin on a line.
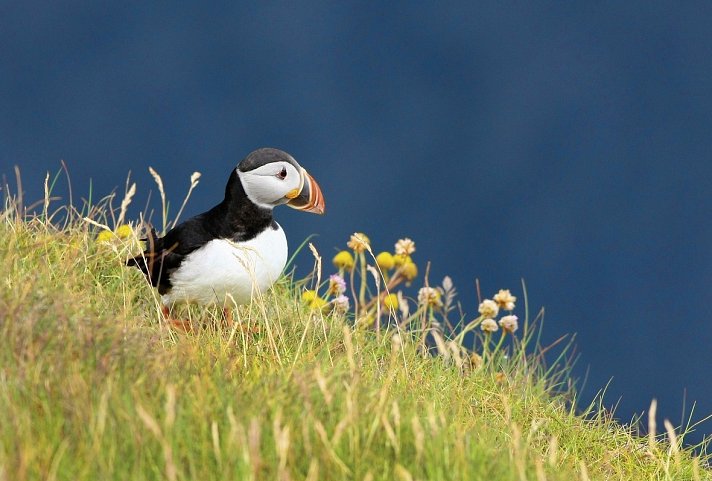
pixel 271 177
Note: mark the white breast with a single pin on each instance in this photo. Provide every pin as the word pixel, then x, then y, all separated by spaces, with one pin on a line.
pixel 222 269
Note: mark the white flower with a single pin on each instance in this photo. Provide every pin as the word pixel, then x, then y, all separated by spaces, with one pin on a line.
pixel 359 242
pixel 405 247
pixel 509 323
pixel 489 325
pixel 488 308
pixel 341 303
pixel 429 296
pixel 505 299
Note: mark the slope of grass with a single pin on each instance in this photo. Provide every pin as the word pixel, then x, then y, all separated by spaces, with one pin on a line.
pixel 95 386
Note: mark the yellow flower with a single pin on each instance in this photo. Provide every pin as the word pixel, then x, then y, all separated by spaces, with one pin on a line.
pixel 105 236
pixel 401 259
pixel 505 299
pixel 124 231
pixel 315 302
pixel 344 260
pixel 308 296
pixel 391 301
pixel 359 242
pixel 405 247
pixel 409 270
pixel 385 261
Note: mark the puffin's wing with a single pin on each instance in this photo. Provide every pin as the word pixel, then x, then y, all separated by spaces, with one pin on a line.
pixel 163 255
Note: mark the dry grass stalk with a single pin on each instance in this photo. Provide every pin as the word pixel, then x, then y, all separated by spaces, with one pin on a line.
pixel 652 424
pixel 674 443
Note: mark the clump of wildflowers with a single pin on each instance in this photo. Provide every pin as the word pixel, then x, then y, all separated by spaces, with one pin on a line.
pixel 124 231
pixel 374 278
pixel 377 302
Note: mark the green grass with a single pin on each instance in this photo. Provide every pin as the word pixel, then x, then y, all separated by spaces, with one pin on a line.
pixel 94 386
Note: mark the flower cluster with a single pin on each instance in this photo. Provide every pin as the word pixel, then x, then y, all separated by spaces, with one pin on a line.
pixel 334 298
pixel 399 261
pixel 124 231
pixel 375 279
pixel 489 309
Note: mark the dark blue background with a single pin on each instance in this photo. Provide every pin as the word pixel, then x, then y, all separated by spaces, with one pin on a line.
pixel 566 144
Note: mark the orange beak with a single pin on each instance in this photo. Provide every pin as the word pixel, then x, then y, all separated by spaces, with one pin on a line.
pixel 310 198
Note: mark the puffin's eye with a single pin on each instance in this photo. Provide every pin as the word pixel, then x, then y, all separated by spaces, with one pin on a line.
pixel 282 173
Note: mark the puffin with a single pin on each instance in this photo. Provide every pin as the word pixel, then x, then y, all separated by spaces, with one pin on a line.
pixel 235 250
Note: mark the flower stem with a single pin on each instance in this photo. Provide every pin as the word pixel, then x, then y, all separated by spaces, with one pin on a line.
pixel 362 290
pixel 499 344
pixel 353 292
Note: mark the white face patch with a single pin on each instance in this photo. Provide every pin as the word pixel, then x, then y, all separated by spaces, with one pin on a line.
pixel 268 185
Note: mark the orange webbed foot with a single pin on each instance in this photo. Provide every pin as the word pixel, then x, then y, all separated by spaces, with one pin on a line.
pixel 182 325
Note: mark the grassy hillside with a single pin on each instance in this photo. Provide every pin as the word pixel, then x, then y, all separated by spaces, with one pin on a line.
pixel 95 386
